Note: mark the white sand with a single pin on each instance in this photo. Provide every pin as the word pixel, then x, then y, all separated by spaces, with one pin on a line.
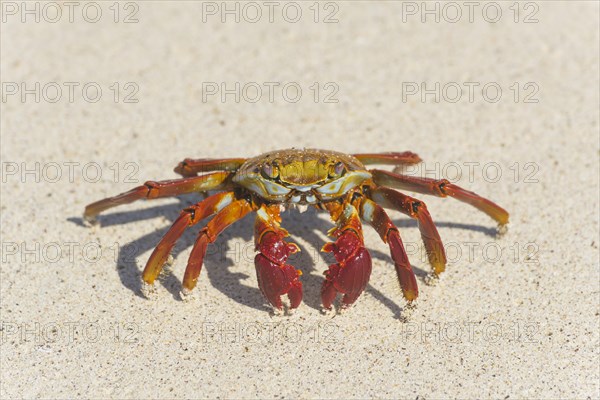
pixel 517 317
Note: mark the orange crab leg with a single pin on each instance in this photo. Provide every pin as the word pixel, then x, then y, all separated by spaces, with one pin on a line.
pixel 227 216
pixel 352 271
pixel 390 198
pixel 188 217
pixel 440 188
pixel 191 167
pixel 404 158
pixel 377 217
pixel 275 277
pixel 154 190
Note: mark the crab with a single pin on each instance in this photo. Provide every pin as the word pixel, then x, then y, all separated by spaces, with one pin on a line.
pixel 331 181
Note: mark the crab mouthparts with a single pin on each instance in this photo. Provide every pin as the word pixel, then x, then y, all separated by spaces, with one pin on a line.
pixel 302 197
pixel 302 194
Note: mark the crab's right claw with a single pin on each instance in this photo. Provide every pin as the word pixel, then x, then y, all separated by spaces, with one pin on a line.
pixel 275 277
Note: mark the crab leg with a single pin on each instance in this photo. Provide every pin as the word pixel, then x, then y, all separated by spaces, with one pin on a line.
pixel 188 217
pixel 275 277
pixel 191 167
pixel 153 190
pixel 404 158
pixel 227 216
pixel 377 217
pixel 353 269
pixel 390 198
pixel 440 188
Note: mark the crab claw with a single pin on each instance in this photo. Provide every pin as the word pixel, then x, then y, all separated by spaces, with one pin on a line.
pixel 275 277
pixel 352 272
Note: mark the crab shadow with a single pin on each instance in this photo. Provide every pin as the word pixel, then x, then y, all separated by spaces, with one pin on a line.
pixel 222 258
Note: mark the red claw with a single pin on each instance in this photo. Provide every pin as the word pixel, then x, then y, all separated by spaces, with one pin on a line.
pixel 352 272
pixel 275 277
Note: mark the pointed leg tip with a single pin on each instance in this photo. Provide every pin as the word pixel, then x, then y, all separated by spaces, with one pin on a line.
pixel 90 220
pixel 148 290
pixel 410 295
pixel 408 311
pixel 438 268
pixel 187 295
pixel 501 230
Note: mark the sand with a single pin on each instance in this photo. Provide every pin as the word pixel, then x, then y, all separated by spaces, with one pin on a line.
pixel 512 317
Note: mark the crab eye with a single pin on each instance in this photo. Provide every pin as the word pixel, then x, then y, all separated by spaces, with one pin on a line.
pixel 270 171
pixel 336 170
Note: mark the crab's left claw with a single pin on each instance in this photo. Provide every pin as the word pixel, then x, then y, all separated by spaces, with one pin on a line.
pixel 275 277
pixel 351 273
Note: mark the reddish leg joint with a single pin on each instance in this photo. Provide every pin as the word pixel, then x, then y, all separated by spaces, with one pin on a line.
pixel 154 190
pixel 192 167
pixel 440 188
